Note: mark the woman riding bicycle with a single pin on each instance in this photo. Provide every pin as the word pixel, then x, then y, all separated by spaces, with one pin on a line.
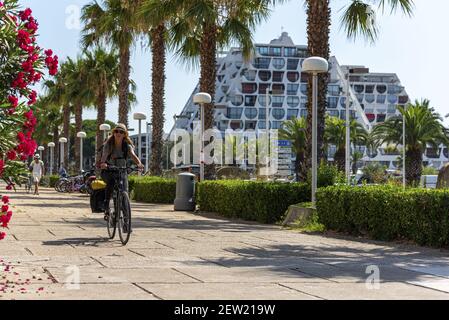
pixel 116 152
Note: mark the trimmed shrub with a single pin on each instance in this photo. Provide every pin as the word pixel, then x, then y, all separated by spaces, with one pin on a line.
pixel 153 189
pixel 264 202
pixel 387 213
pixel 49 181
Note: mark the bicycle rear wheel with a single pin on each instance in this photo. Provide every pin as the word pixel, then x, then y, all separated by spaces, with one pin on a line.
pixel 124 219
pixel 112 221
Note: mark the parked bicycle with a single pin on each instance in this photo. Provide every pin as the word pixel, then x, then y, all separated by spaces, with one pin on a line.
pixel 120 213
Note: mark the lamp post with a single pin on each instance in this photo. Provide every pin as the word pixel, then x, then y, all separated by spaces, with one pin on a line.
pixel 105 128
pixel 314 65
pixel 81 135
pixel 61 143
pixel 403 149
pixel 267 125
pixel 202 98
pixel 139 117
pixel 51 146
pixel 175 118
pixel 348 135
pixel 40 148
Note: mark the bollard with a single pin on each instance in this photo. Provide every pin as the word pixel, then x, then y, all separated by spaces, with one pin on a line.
pixel 185 192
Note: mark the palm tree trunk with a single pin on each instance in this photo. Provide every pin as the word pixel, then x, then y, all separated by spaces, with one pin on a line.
pixel 124 85
pixel 340 158
pixel 66 134
pixel 207 80
pixel 157 97
pixel 298 164
pixel 318 29
pixel 413 166
pixel 56 151
pixel 78 128
pixel 101 118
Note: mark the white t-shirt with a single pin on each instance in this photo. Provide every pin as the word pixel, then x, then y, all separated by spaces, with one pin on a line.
pixel 37 168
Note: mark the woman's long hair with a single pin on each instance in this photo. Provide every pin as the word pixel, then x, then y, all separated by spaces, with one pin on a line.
pixel 110 140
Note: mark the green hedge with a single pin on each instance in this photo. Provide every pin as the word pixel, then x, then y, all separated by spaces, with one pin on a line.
pixel 49 181
pixel 264 202
pixel 153 189
pixel 387 212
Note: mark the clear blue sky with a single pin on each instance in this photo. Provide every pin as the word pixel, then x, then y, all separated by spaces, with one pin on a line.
pixel 409 47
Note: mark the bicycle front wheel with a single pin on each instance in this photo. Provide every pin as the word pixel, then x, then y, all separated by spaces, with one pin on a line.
pixel 112 221
pixel 124 222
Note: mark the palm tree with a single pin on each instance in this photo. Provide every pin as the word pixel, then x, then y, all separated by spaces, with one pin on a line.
pixel 204 26
pixel 102 78
pixel 153 18
pixel 423 127
pixel 295 131
pixel 113 24
pixel 358 20
pixel 335 134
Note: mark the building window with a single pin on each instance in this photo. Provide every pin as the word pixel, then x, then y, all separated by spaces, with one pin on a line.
pixel 290 52
pixel 250 101
pixel 278 88
pixel 359 97
pixel 263 88
pixel 264 75
pixel 292 64
pixel 263 51
pixel 292 102
pixel 393 99
pixel 332 102
pixel 403 99
pixel 249 87
pixel 333 90
pixel 236 100
pixel 359 88
pixel 303 113
pixel 370 98
pixel 369 88
pixel 381 88
pixel 278 76
pixel 263 100
pixel 234 113
pixel 278 63
pixel 276 51
pixel 293 76
pixel 262 124
pixel 304 88
pixel 236 125
pixel 343 102
pixel 276 124
pixel 394 89
pixel 292 89
pixel 381 99
pixel 249 74
pixel 333 113
pixel 381 117
pixel 278 114
pixel 304 77
pixel 262 63
pixel 262 114
pixel 277 101
pixel 391 109
pixel 251 113
pixel 292 113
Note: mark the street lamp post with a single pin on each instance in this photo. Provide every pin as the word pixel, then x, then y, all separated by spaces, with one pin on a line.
pixel 51 146
pixel 61 142
pixel 202 98
pixel 81 135
pixel 105 128
pixel 348 134
pixel 139 117
pixel 147 149
pixel 314 65
pixel 40 148
pixel 403 149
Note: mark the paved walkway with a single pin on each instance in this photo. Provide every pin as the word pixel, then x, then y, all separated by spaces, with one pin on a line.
pixel 57 249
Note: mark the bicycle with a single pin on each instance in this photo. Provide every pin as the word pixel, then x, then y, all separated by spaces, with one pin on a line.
pixel 121 208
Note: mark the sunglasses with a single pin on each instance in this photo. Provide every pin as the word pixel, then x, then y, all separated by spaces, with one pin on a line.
pixel 119 131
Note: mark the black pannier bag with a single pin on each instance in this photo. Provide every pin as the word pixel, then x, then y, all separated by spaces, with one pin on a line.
pixel 97 200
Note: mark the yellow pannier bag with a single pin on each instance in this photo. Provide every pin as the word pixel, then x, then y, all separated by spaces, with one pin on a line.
pixel 98 185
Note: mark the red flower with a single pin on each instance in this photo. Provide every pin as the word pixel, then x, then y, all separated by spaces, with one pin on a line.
pixel 25 14
pixel 11 155
pixel 2 236
pixel 32 97
pixel 5 199
pixel 13 100
pixel 9 187
pixel 2 166
pixel 21 137
pixel 48 52
pixel 5 208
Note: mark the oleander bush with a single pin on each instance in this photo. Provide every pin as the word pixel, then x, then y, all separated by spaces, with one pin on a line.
pixel 264 202
pixel 387 212
pixel 153 189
